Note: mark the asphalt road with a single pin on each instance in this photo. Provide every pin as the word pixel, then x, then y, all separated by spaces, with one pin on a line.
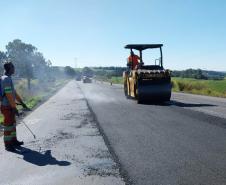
pixel 182 142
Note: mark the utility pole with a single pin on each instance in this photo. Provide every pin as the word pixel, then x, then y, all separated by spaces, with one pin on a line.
pixel 76 64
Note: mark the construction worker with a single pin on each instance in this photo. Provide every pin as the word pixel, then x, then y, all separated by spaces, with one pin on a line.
pixel 8 108
pixel 133 60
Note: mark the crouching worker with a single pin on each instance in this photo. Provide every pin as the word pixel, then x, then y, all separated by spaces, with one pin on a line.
pixel 8 108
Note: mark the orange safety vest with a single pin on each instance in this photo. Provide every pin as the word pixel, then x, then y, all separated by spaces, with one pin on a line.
pixel 134 59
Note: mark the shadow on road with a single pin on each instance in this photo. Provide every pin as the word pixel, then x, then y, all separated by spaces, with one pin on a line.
pixel 178 104
pixel 40 159
pixel 181 104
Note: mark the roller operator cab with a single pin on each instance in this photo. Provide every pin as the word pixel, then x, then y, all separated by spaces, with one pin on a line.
pixel 147 82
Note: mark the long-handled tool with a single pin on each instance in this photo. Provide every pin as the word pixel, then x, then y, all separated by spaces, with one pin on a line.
pixel 29 129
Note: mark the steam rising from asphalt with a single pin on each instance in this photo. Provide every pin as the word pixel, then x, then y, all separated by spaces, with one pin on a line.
pixel 101 98
pixel 98 97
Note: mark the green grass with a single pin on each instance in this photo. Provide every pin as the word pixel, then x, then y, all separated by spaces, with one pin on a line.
pixel 31 103
pixel 203 87
pixel 1 119
pixel 116 80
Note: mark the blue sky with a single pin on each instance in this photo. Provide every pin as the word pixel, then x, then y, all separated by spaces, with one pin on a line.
pixel 94 32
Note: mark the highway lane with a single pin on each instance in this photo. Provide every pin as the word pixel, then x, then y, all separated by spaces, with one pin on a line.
pixel 182 142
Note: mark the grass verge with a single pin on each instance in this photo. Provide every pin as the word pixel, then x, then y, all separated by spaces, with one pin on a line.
pixel 216 88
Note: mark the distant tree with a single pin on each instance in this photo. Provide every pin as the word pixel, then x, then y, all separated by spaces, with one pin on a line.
pixel 40 66
pixel 28 61
pixel 56 72
pixel 2 58
pixel 191 73
pixel 108 72
pixel 199 75
pixel 22 55
pixel 69 71
pixel 49 63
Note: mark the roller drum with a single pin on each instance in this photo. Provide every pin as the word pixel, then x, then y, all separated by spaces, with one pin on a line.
pixel 154 92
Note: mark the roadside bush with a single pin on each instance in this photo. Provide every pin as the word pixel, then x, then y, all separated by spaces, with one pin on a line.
pixel 189 86
pixel 181 86
pixel 196 86
pixel 209 91
pixel 173 83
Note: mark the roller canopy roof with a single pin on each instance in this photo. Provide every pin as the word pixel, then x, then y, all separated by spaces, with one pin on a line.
pixel 143 46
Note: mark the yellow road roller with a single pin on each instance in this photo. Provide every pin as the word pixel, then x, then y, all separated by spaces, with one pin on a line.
pixel 146 83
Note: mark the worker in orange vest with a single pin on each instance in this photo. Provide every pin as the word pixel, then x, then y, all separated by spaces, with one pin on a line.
pixel 133 60
pixel 8 108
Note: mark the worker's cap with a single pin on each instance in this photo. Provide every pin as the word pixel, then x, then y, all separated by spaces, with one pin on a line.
pixel 8 64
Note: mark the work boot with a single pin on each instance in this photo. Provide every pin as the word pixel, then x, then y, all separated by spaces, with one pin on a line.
pixel 18 143
pixel 10 148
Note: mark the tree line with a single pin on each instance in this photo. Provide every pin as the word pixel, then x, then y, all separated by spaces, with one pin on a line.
pixel 28 61
pixel 108 72
pixel 199 74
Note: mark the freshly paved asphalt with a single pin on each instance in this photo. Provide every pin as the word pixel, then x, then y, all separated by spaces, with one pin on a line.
pixel 182 142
